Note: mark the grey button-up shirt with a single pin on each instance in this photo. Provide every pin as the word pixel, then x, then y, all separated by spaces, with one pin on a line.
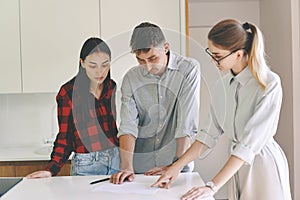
pixel 158 109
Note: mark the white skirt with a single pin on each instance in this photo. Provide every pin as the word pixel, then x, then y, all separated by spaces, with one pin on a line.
pixel 267 178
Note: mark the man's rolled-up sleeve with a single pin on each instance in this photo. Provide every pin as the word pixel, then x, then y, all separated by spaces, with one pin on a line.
pixel 128 112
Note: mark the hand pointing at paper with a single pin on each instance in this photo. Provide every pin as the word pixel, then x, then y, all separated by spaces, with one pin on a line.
pixel 168 177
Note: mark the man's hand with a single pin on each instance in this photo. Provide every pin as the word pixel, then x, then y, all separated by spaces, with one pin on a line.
pixel 156 171
pixel 120 177
pixel 127 143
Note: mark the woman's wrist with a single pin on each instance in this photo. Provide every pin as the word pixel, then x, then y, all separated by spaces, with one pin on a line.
pixel 212 186
pixel 177 164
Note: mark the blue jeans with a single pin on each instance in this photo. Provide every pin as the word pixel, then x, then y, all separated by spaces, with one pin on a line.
pixel 96 163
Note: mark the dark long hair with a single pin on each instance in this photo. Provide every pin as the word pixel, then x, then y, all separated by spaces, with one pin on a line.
pixel 82 82
pixel 84 104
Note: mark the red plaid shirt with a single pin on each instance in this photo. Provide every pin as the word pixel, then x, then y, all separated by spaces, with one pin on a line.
pixel 76 134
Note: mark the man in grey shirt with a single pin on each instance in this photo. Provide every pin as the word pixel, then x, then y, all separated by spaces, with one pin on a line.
pixel 160 106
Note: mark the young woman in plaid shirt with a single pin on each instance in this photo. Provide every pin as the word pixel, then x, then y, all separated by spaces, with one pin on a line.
pixel 86 115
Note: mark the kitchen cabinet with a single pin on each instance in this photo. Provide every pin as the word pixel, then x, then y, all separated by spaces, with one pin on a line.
pixel 7 170
pixel 168 14
pixel 52 33
pixel 22 168
pixel 41 41
pixel 10 76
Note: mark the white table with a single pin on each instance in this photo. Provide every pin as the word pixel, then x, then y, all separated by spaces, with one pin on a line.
pixel 78 188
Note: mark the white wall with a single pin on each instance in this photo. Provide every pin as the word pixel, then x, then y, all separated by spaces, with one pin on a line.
pixel 202 16
pixel 27 119
pixel 295 5
pixel 207 13
pixel 280 25
pixel 296 92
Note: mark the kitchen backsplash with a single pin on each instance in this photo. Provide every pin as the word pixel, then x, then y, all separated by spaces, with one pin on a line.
pixel 27 119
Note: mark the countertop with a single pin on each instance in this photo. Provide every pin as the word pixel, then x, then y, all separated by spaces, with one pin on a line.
pixel 78 188
pixel 25 153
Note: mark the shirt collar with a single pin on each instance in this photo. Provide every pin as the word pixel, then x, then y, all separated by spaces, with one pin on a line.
pixel 171 64
pixel 144 72
pixel 243 77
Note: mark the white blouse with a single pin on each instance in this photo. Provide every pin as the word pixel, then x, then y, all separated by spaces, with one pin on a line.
pixel 244 112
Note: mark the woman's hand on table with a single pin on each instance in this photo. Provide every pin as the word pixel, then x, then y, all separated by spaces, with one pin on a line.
pixel 198 193
pixel 39 174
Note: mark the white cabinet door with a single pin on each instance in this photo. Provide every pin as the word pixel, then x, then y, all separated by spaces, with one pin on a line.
pixel 10 75
pixel 52 33
pixel 118 18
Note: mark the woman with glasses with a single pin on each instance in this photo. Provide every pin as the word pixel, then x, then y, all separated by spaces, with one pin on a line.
pixel 86 117
pixel 245 107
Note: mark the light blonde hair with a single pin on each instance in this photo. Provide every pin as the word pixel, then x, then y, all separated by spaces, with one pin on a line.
pixel 231 35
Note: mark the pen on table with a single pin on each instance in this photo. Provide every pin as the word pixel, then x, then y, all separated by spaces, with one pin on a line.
pixel 98 181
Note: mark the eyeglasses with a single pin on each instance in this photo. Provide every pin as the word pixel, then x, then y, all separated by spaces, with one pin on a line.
pixel 218 60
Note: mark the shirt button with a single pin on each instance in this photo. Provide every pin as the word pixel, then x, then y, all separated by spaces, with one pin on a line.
pixel 157 140
pixel 161 97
